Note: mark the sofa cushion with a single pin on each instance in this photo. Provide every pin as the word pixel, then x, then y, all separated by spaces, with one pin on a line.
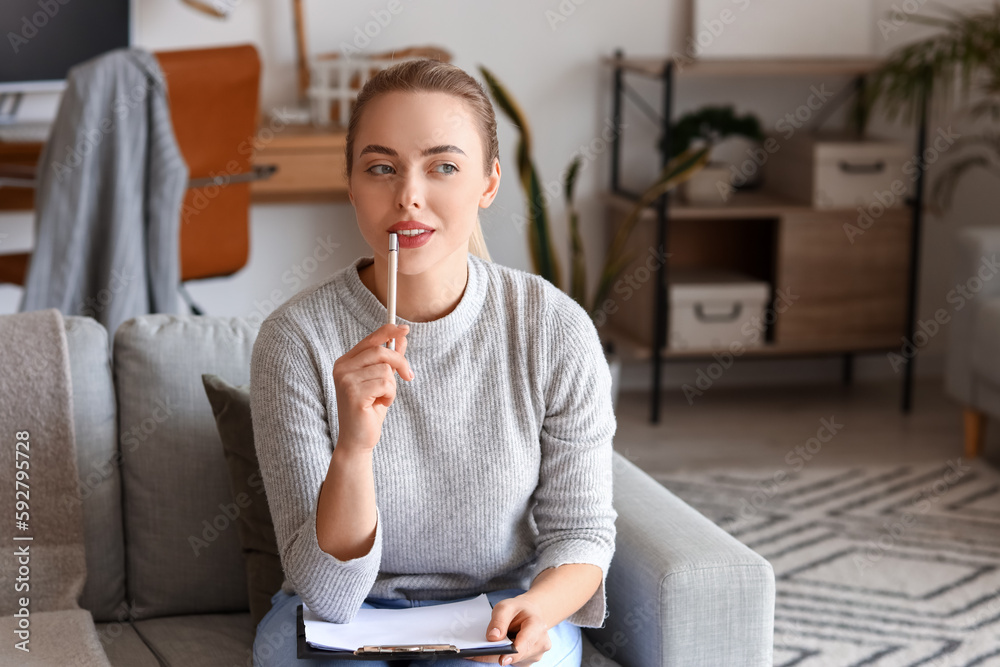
pixel 64 637
pixel 183 553
pixel 98 460
pixel 123 645
pixel 231 407
pixel 207 640
pixel 41 480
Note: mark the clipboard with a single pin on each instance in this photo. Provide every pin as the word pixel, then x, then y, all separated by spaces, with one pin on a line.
pixel 401 652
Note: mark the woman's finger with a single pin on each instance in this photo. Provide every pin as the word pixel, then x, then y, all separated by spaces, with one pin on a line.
pixel 365 373
pixel 381 390
pixel 383 355
pixel 401 345
pixel 379 337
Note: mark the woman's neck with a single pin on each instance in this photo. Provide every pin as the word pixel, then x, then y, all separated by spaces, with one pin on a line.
pixel 421 297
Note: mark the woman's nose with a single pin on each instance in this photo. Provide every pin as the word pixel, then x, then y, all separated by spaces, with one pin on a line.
pixel 410 192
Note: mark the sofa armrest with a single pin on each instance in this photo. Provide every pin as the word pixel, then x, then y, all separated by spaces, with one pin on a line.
pixel 681 591
pixel 976 256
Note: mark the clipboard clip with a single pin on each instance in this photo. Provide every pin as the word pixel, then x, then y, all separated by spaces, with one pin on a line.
pixel 406 648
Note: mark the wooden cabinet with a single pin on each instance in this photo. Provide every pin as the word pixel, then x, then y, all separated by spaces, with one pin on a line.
pixel 845 291
pixel 310 161
pixel 847 287
pixel 310 165
pixel 832 288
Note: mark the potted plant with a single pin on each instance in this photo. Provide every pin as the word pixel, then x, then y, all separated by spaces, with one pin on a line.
pixel 543 255
pixel 964 57
pixel 708 126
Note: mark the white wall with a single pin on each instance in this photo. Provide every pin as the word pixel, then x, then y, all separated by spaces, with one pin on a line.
pixel 554 70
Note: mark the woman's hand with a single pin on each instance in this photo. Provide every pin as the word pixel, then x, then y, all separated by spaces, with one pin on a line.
pixel 518 614
pixel 365 382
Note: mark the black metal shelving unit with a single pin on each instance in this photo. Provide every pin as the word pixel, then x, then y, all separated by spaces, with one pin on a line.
pixel 666 71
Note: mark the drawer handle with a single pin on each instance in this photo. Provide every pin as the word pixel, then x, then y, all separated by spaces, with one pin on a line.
pixel 876 168
pixel 699 312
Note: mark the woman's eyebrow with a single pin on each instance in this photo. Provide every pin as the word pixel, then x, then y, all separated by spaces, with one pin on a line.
pixel 434 150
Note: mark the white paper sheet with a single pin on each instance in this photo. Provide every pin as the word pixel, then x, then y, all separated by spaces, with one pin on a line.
pixel 463 624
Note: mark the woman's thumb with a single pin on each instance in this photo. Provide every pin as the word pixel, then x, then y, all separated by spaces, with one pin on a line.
pixel 498 624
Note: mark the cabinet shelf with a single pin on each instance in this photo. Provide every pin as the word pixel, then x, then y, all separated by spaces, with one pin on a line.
pixel 849 298
pixel 632 350
pixel 742 206
pixel 724 67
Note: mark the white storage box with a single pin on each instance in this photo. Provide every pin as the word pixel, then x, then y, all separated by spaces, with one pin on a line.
pixel 833 171
pixel 709 308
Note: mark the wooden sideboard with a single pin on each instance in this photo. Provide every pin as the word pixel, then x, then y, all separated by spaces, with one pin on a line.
pixel 833 293
pixel 310 165
pixel 310 160
pixel 856 293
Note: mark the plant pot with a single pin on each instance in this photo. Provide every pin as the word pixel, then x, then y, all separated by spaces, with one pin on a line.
pixel 709 186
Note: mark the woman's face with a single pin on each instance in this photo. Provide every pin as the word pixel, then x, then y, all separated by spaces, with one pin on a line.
pixel 419 157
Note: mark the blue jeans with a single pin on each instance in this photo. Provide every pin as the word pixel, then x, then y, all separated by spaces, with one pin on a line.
pixel 274 645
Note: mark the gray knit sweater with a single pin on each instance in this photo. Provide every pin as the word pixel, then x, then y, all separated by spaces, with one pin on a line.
pixel 494 463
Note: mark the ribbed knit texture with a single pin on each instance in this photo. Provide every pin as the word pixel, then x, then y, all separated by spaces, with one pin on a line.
pixel 494 463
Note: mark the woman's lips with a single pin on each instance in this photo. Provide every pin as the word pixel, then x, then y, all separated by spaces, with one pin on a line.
pixel 413 241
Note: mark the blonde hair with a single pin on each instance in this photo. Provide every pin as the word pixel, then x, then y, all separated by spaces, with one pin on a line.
pixel 434 76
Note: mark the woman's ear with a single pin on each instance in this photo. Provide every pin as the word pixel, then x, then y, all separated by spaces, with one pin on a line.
pixel 492 185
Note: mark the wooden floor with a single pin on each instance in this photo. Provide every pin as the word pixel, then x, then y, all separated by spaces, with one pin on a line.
pixel 761 427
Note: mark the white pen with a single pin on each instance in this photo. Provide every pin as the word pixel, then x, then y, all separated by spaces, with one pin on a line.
pixel 391 294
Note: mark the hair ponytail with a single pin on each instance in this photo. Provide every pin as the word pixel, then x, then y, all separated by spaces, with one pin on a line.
pixel 477 243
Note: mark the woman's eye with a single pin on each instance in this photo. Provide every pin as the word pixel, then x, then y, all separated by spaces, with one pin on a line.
pixel 378 166
pixel 452 167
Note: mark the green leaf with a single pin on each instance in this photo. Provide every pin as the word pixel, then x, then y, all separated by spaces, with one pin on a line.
pixel 543 255
pixel 676 172
pixel 578 263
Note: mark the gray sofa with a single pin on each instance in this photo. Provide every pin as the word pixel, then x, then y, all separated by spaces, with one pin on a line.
pixel 972 355
pixel 681 591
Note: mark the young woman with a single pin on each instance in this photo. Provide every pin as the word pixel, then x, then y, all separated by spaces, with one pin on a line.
pixel 488 470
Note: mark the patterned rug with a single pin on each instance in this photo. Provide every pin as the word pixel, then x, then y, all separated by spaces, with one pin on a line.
pixel 877 566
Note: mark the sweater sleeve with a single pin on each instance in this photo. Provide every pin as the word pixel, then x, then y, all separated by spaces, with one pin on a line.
pixel 294 446
pixel 574 511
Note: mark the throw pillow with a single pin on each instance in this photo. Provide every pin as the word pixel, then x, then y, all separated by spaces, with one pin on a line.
pixel 231 407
